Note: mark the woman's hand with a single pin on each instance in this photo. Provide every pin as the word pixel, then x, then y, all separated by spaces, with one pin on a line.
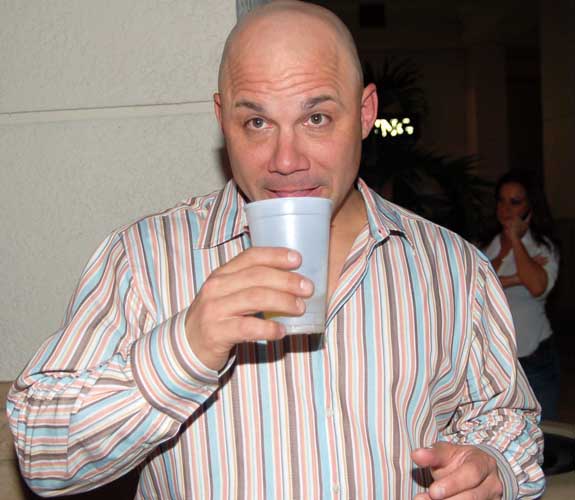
pixel 516 227
pixel 540 259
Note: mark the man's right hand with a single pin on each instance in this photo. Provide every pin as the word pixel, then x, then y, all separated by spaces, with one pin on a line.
pixel 222 314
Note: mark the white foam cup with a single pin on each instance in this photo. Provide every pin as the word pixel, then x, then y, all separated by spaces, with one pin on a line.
pixel 301 224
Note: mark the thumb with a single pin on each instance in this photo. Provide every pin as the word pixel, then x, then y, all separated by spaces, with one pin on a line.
pixel 435 456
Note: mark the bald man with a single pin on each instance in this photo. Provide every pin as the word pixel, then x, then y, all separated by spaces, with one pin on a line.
pixel 412 391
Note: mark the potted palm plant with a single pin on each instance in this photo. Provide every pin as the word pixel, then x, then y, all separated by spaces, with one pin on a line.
pixel 444 189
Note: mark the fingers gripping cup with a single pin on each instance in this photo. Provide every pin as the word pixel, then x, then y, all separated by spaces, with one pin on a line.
pixel 301 224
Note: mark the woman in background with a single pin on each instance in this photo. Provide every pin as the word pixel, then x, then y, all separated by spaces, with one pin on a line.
pixel 527 261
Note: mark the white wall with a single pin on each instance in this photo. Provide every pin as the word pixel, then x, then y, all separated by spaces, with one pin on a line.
pixel 105 116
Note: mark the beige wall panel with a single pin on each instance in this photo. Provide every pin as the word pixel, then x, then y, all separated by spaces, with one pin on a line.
pixel 105 116
pixel 65 186
pixel 66 54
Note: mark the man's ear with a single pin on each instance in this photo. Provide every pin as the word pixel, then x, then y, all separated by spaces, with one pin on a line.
pixel 218 108
pixel 368 109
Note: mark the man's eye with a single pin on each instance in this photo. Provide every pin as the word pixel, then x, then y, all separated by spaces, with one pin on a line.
pixel 317 119
pixel 256 123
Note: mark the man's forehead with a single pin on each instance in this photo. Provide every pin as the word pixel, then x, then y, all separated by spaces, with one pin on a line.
pixel 304 104
pixel 297 69
pixel 303 87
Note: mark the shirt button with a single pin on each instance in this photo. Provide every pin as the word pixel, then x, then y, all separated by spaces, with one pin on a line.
pixel 329 412
pixel 335 488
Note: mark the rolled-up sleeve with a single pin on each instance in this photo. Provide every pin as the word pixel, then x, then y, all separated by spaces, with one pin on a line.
pixel 107 388
pixel 551 267
pixel 498 411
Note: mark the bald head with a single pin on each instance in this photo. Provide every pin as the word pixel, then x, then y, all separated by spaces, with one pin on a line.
pixel 285 25
pixel 292 107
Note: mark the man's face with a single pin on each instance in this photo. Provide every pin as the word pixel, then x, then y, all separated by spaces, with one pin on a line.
pixel 291 113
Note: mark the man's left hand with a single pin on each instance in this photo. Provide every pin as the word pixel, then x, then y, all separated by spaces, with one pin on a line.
pixel 459 472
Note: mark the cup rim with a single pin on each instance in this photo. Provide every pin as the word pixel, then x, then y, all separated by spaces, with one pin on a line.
pixel 291 204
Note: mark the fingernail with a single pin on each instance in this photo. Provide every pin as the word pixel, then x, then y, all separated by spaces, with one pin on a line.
pixel 439 492
pixel 306 286
pixel 300 305
pixel 292 256
pixel 282 329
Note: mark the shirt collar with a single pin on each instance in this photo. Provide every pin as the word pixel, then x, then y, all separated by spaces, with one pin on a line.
pixel 528 240
pixel 226 219
pixel 383 217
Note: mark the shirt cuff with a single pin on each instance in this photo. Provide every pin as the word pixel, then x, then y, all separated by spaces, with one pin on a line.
pixel 510 486
pixel 168 373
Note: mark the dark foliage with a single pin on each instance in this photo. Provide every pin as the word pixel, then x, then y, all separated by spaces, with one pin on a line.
pixel 444 189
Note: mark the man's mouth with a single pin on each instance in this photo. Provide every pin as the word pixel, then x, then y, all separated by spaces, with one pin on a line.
pixel 296 192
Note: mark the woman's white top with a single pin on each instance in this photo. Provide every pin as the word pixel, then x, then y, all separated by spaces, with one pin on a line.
pixel 531 323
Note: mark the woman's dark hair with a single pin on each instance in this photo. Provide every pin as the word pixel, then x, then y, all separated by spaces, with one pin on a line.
pixel 541 224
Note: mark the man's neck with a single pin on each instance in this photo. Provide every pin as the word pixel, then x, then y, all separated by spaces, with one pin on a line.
pixel 345 227
pixel 352 215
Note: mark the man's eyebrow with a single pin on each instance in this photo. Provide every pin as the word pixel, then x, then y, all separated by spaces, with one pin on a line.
pixel 250 105
pixel 314 101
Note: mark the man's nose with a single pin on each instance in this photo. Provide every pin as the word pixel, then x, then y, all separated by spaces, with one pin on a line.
pixel 288 156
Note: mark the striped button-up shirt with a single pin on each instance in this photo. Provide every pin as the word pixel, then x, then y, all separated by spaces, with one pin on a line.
pixel 418 347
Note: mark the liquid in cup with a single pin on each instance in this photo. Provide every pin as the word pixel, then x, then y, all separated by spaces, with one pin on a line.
pixel 302 224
